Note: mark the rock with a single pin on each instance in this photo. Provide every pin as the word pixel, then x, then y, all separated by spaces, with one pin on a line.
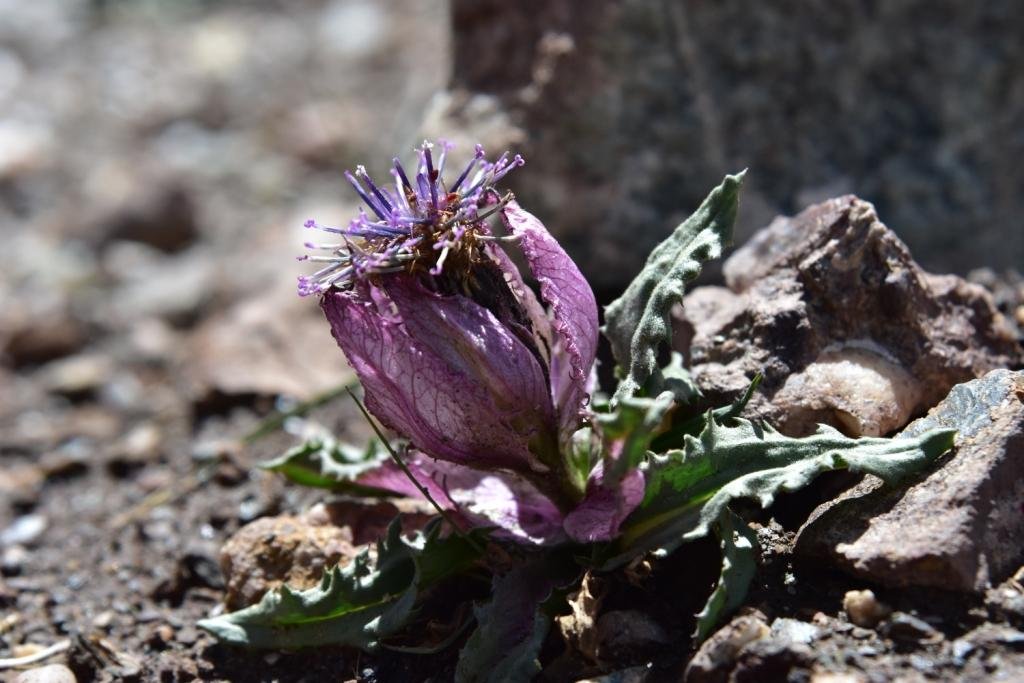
pixel 624 633
pixel 846 328
pixel 38 339
pixel 1007 599
pixel 770 660
pixel 53 673
pixel 649 104
pixel 163 216
pixel 24 530
pixel 908 629
pixel 1007 292
pixel 634 674
pixel 989 635
pixel 253 347
pixel 864 609
pixel 285 549
pixel 794 631
pixel 13 560
pixel 835 677
pixel 717 655
pixel 78 375
pixel 176 288
pixel 957 527
pixel 298 549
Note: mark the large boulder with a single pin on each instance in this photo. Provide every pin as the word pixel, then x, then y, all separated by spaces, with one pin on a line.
pixel 629 111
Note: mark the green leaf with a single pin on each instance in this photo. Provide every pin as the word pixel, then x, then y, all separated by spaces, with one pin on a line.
pixel 511 629
pixel 639 322
pixel 739 564
pixel 322 462
pixel 626 432
pixel 355 605
pixel 688 489
pixel 692 424
pixel 676 378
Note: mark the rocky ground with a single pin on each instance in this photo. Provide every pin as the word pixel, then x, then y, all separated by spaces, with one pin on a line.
pixel 156 164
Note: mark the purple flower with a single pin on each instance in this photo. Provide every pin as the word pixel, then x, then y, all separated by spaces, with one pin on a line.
pixel 457 355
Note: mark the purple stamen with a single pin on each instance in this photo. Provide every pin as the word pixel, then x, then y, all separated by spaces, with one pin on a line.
pixel 401 174
pixel 365 197
pixel 469 167
pixel 431 175
pixel 425 190
pixel 361 172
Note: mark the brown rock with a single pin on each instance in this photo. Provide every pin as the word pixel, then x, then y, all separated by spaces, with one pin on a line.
pixel 296 550
pixel 285 549
pixel 628 631
pixel 717 655
pixel 959 527
pixel 30 341
pixel 864 609
pixel 268 345
pixel 846 328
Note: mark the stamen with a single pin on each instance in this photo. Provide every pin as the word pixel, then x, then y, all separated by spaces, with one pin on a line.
pixel 412 220
pixel 469 167
pixel 361 172
pixel 431 176
pixel 439 266
pixel 426 190
pixel 401 174
pixel 365 197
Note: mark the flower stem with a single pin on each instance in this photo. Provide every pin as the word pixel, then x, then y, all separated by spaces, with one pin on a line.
pixel 408 473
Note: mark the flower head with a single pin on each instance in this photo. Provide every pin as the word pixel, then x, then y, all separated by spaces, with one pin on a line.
pixel 417 224
pixel 486 381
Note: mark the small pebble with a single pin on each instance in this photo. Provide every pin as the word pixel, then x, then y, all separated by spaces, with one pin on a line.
pixel 961 650
pixel 54 673
pixel 24 530
pixel 13 560
pixel 909 629
pixel 794 630
pixel 103 619
pixel 864 609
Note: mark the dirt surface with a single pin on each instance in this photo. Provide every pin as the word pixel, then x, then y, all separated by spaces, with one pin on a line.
pixel 158 161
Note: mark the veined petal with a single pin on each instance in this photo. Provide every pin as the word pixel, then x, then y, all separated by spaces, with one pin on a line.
pixel 573 309
pixel 605 507
pixel 443 372
pixel 499 499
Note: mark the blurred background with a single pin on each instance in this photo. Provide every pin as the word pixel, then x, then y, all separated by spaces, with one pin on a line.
pixel 158 158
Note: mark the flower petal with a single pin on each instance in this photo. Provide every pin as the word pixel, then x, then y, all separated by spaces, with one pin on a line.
pixel 444 373
pixel 499 499
pixel 573 307
pixel 605 508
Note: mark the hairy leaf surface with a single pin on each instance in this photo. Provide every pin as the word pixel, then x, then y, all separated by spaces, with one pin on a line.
pixel 639 322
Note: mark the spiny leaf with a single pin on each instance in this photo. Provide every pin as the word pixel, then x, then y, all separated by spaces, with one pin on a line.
pixel 688 489
pixel 322 462
pixel 627 430
pixel 739 565
pixel 355 605
pixel 639 322
pixel 692 424
pixel 676 378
